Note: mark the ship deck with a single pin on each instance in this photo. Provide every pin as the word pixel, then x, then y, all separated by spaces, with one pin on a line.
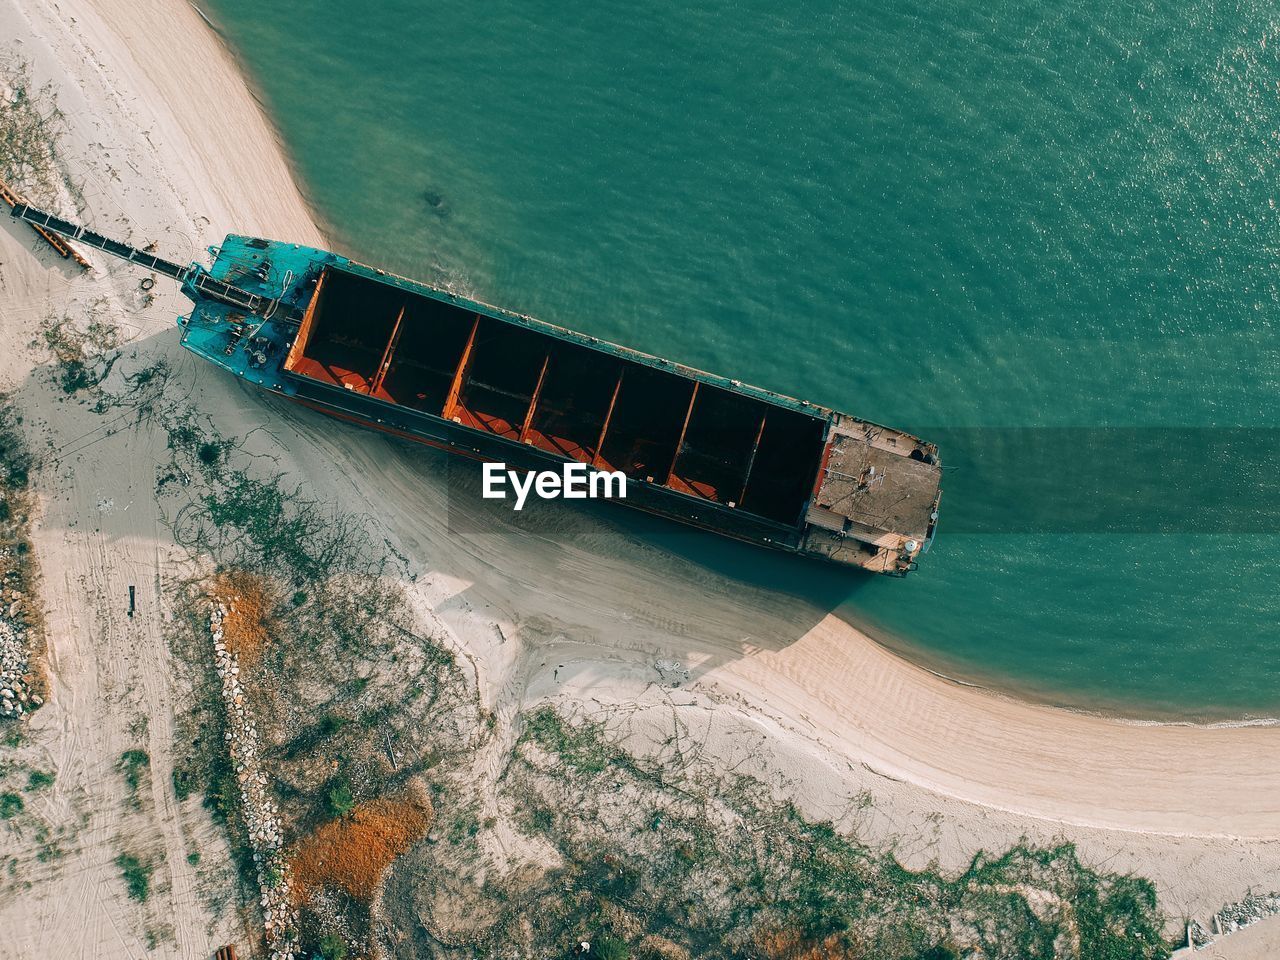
pixel 398 356
pixel 577 401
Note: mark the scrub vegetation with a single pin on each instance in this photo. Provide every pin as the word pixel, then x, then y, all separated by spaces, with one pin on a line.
pixel 355 705
pixel 653 860
pixel 83 353
pixel 393 785
pixel 134 766
pixel 137 875
pixel 30 125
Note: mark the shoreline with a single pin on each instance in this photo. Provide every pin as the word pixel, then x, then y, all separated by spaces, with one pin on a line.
pixel 995 695
pixel 328 230
pixel 1003 687
pixel 1030 691
pixel 579 615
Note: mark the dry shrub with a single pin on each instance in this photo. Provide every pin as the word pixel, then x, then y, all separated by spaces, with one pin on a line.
pixel 244 630
pixel 352 852
pixel 30 126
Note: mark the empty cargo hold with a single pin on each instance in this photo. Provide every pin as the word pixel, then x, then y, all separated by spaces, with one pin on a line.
pixel 346 330
pixel 498 378
pixel 574 401
pixel 423 363
pixel 648 418
pixel 716 450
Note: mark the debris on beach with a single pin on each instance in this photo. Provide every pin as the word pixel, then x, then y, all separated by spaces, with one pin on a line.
pixel 16 697
pixel 672 672
pixel 229 628
pixel 1244 913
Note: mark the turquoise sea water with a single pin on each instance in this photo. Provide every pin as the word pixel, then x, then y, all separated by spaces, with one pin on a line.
pixel 937 216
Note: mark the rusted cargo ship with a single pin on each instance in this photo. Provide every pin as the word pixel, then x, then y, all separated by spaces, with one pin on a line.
pixel 428 365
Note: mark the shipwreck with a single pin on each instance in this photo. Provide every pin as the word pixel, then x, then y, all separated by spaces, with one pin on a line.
pixel 427 365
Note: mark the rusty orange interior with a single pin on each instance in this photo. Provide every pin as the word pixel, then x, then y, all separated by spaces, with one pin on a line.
pixel 582 404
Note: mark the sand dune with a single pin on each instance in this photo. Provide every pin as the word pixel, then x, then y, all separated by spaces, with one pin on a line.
pixel 579 605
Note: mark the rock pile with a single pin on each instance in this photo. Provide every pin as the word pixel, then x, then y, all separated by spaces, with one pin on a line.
pixel 1251 909
pixel 260 813
pixel 16 698
pixel 1197 935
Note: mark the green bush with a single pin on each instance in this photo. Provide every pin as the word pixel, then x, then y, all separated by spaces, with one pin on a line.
pixel 340 800
pixel 132 763
pixel 137 875
pixel 332 948
pixel 182 783
pixel 39 779
pixel 10 805
pixel 607 947
pixel 331 724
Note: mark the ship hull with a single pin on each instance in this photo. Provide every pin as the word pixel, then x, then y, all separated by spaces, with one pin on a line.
pixel 417 362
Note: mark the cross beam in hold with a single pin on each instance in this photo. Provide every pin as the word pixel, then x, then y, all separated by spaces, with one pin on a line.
pixel 533 401
pixel 388 353
pixel 684 429
pixel 596 459
pixel 461 373
pixel 751 461
pixel 307 323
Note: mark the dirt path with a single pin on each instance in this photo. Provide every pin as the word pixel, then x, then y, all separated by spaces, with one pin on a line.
pixel 101 530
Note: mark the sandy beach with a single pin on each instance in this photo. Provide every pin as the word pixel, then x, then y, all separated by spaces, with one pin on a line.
pixel 167 144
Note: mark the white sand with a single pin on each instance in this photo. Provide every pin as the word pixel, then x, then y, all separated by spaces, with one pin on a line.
pixel 169 146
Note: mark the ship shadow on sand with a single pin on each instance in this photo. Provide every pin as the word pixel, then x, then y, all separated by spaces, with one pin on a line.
pixel 38 247
pixel 586 573
pixel 579 574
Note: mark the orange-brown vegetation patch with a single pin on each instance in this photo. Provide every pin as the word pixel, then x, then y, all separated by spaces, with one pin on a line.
pixel 352 852
pixel 789 945
pixel 248 606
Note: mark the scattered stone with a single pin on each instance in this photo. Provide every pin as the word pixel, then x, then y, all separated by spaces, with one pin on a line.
pixel 13 663
pixel 1237 916
pixel 265 837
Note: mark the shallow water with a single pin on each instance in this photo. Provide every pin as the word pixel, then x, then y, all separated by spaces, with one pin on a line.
pixel 935 216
